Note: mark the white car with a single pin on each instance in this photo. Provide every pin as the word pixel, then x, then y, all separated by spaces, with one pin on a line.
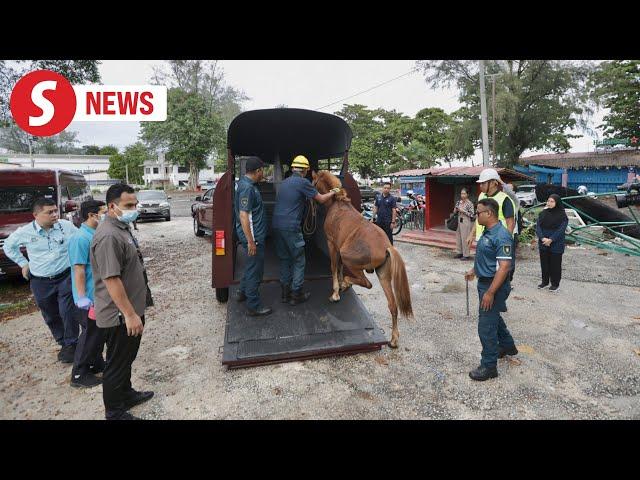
pixel 527 195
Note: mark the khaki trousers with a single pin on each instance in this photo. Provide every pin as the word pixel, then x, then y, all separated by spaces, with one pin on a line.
pixel 462 233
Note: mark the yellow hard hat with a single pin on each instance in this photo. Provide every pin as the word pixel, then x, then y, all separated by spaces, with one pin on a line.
pixel 300 162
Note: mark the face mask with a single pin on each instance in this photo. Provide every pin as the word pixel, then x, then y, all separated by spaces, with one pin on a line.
pixel 101 217
pixel 127 216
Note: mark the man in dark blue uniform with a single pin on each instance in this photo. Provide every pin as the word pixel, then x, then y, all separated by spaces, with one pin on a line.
pixel 385 208
pixel 492 265
pixel 287 228
pixel 251 227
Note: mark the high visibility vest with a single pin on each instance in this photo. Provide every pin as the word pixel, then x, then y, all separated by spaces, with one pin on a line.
pixel 500 198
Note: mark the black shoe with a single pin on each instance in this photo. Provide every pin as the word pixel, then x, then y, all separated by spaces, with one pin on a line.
pixel 66 354
pixel 121 415
pixel 286 293
pixel 481 373
pixel 543 285
pixel 554 288
pixel 458 256
pixel 465 258
pixel 85 381
pixel 260 312
pixel 134 398
pixel 507 351
pixel 298 296
pixel 240 296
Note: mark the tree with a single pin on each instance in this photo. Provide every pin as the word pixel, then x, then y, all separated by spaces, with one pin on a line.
pixel 189 135
pixel 14 138
pixel 537 102
pixel 615 85
pixel 133 157
pixel 97 150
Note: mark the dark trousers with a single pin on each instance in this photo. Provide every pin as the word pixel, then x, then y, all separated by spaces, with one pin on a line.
pixel 55 301
pixel 492 330
pixel 116 379
pixel 386 226
pixel 90 345
pixel 290 250
pixel 513 260
pixel 551 266
pixel 252 276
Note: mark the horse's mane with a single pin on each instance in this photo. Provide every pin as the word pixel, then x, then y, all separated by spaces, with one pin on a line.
pixel 332 182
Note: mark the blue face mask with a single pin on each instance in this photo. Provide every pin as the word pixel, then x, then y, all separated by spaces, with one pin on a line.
pixel 127 216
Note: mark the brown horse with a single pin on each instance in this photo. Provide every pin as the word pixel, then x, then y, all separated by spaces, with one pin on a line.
pixel 361 245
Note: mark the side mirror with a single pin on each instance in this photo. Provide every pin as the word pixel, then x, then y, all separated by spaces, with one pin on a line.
pixel 70 206
pixel 199 198
pixel 168 198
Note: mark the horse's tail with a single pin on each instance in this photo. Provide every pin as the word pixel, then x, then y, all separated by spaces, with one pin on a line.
pixel 400 283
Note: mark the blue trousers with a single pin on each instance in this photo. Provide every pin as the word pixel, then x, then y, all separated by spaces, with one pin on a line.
pixel 290 250
pixel 90 345
pixel 492 330
pixel 252 276
pixel 55 301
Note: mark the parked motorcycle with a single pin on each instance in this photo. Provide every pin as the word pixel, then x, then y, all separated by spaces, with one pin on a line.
pixel 367 214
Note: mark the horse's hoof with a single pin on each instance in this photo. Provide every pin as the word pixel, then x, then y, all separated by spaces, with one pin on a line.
pixel 333 299
pixel 343 287
pixel 393 343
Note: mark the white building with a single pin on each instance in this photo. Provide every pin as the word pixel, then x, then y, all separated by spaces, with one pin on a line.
pixel 160 172
pixel 78 163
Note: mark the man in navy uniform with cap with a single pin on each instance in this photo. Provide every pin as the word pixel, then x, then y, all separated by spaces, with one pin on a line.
pixel 492 265
pixel 251 227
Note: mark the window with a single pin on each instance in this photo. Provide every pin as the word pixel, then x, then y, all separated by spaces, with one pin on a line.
pixel 147 170
pixel 155 169
pixel 20 199
pixel 166 169
pixel 183 169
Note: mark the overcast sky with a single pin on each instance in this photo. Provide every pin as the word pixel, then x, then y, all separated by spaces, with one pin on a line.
pixel 307 84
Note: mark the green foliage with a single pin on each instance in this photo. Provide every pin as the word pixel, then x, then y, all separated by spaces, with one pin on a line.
pixel 76 71
pixel 615 85
pixel 190 133
pixel 97 150
pixel 537 103
pixel 134 157
pixel 387 141
pixel 16 140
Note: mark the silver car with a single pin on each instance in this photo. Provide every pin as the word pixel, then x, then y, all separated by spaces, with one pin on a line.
pixel 153 204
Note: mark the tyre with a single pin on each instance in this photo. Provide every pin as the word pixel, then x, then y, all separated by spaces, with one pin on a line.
pixel 196 228
pixel 398 228
pixel 168 218
pixel 222 294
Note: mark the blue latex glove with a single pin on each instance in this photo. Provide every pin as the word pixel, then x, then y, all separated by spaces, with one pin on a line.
pixel 84 303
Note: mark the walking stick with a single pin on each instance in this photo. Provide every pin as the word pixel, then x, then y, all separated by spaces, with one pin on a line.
pixel 467 296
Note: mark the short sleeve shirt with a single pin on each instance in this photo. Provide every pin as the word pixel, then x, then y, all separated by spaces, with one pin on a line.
pixel 79 246
pixel 248 199
pixel 494 245
pixel 113 253
pixel 290 202
pixel 385 206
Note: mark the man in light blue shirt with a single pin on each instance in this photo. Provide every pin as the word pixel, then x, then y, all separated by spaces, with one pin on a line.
pixel 47 241
pixel 88 358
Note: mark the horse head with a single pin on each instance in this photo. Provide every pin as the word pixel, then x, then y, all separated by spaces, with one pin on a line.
pixel 324 181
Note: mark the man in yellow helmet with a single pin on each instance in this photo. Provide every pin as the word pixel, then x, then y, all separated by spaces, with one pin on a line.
pixel 287 228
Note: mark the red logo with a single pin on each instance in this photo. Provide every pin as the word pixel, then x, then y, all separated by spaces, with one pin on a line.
pixel 43 103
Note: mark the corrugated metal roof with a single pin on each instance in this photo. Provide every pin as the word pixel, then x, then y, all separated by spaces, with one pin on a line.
pixel 622 158
pixel 456 172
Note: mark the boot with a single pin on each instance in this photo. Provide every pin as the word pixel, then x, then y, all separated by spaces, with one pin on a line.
pixel 298 296
pixel 481 373
pixel 507 351
pixel 286 293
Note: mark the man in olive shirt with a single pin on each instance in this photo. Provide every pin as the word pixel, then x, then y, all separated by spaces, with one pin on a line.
pixel 120 300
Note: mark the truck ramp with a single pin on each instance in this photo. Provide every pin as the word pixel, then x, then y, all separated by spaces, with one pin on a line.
pixel 314 329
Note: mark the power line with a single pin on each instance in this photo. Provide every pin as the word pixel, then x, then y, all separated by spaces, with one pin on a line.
pixel 369 89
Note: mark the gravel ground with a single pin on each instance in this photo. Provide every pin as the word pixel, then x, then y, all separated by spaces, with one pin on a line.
pixel 578 348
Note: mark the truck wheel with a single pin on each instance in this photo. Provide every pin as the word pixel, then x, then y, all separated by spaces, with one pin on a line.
pixel 222 294
pixel 196 228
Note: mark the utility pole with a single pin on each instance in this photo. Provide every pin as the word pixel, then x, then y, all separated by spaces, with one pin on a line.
pixel 483 118
pixel 493 116
pixel 126 169
pixel 33 163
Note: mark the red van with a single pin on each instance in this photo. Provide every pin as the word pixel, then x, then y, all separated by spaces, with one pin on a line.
pixel 19 187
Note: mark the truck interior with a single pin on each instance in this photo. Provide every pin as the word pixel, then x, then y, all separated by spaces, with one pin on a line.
pixel 316 328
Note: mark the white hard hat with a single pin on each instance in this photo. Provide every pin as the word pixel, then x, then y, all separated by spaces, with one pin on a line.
pixel 489 174
pixel 582 190
pixel 409 192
